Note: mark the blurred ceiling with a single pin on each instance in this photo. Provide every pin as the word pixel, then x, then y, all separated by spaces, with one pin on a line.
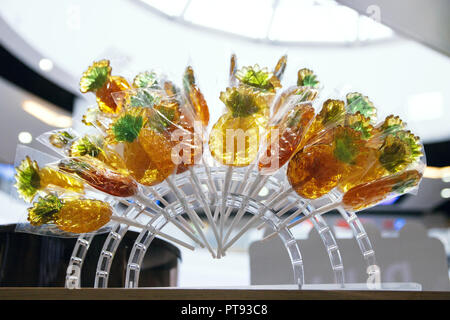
pixel 59 39
pixel 425 21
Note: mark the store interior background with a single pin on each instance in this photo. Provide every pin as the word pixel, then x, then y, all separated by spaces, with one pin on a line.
pixel 46 45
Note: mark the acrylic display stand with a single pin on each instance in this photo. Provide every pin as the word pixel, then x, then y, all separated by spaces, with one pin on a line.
pixel 261 209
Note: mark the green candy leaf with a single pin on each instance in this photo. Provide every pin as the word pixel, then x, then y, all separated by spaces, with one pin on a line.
pixel 95 77
pixel 255 77
pixel 241 101
pixel 127 127
pixel 356 102
pixel 359 123
pixel 391 125
pixel 28 181
pixel 399 150
pixel 145 99
pixel 347 144
pixel 307 78
pixel 146 80
pixel 44 210
pixel 88 145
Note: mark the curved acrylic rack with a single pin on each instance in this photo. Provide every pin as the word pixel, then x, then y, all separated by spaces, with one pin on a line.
pixel 261 209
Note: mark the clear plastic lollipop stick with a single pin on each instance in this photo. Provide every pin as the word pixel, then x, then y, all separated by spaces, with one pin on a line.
pixel 201 196
pixel 318 211
pixel 182 199
pixel 166 204
pixel 132 223
pixel 256 186
pixel 142 199
pixel 255 218
pixel 210 181
pixel 241 187
pixel 286 221
pixel 225 191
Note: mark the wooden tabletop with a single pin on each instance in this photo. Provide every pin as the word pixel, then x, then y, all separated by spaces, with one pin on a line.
pixel 209 294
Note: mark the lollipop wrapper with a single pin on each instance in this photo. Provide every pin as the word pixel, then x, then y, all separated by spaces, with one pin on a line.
pixel 54 229
pixel 298 94
pixel 59 140
pixel 372 193
pixel 98 175
pixel 41 158
pixel 168 137
pixel 51 230
pixel 284 135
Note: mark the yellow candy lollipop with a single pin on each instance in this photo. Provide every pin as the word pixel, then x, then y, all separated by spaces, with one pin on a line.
pixel 147 146
pixel 76 215
pixel 234 138
pixel 98 79
pixel 30 179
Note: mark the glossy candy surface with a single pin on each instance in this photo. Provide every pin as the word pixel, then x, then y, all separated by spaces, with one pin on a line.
pixel 99 176
pixel 289 131
pixel 234 138
pixel 371 193
pixel 74 215
pixel 195 96
pixel 98 79
pixel 30 179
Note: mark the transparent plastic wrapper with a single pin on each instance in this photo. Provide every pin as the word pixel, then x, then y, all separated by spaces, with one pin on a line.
pixel 97 175
pixel 247 113
pixel 158 134
pixel 60 184
pixel 59 140
pixel 364 164
pixel 369 194
pixel 335 147
pixel 195 97
pixel 33 179
pixel 307 89
pixel 36 179
pixel 149 131
pixel 98 80
pixel 70 214
pixel 89 145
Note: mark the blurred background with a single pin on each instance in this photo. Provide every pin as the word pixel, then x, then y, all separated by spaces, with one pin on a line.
pixel 396 52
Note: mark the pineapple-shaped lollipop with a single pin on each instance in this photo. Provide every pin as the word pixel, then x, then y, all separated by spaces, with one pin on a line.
pixel 245 120
pixel 76 215
pixel 289 132
pixel 306 90
pixel 88 145
pixel 98 79
pixel 195 96
pixel 369 194
pixel 319 167
pixel 146 143
pixel 99 176
pixel 30 179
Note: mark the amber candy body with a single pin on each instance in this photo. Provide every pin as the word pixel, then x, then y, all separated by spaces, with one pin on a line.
pixel 82 216
pixel 104 95
pixel 288 142
pixel 314 171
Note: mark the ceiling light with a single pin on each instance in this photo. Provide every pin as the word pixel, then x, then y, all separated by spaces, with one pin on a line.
pixel 46 64
pixel 25 137
pixel 445 193
pixel 437 173
pixel 46 114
